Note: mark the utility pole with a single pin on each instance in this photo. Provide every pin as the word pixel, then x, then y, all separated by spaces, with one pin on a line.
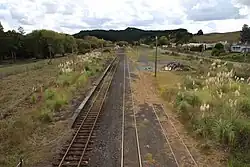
pixel 137 50
pixel 90 47
pixel 156 43
pixel 245 52
pixel 50 54
pixel 102 47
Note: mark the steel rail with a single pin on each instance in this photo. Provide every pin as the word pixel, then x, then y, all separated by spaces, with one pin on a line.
pixel 99 111
pixel 82 123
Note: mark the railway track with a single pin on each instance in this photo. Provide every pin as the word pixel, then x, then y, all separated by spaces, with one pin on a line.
pixel 158 109
pixel 76 153
pixel 129 121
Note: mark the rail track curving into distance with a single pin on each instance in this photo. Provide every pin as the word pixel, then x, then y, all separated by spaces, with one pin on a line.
pixel 76 153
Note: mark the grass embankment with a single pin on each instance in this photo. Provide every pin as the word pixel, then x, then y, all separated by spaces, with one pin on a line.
pixel 36 129
pixel 214 104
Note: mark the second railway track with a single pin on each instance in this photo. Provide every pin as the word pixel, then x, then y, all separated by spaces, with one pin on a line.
pixel 76 153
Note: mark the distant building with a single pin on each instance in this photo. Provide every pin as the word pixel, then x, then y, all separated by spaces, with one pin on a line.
pixel 240 48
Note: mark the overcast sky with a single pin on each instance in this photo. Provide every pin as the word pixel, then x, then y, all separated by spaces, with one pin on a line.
pixel 71 16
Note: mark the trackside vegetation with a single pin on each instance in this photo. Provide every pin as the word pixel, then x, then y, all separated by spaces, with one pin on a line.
pixel 214 104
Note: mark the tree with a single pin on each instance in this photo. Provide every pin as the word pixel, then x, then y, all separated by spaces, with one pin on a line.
pixel 42 44
pixel 163 40
pixel 245 34
pixel 21 30
pixel 200 32
pixel 1 27
pixel 183 37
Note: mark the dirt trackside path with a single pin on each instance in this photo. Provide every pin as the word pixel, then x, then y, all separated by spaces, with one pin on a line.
pixel 163 139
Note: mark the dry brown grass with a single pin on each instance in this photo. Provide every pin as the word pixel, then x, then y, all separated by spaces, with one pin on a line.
pixel 16 87
pixel 216 37
pixel 39 124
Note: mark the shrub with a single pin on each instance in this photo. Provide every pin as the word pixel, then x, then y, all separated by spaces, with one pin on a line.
pixel 56 103
pixel 183 106
pixel 45 116
pixel 219 46
pixel 242 129
pixel 223 131
pixel 49 94
pixel 215 52
pixel 202 126
pixel 67 79
pixel 244 106
pixel 191 83
pixel 190 97
pixel 81 80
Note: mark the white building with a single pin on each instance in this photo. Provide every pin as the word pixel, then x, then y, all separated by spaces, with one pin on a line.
pixel 240 48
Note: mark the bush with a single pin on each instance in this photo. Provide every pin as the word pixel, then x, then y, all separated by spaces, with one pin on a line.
pixel 219 46
pixel 223 131
pixel 189 97
pixel 81 80
pixel 56 103
pixel 203 126
pixel 45 116
pixel 244 106
pixel 67 79
pixel 49 94
pixel 191 83
pixel 242 128
pixel 183 106
pixel 218 49
pixel 215 52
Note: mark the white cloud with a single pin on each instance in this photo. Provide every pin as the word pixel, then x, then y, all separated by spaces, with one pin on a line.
pixel 71 16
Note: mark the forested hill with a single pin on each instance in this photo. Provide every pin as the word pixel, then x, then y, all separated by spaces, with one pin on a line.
pixel 129 34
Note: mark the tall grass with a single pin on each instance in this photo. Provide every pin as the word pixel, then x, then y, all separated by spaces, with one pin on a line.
pixel 216 106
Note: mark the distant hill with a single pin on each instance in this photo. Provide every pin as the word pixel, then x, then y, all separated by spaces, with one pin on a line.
pixel 129 34
pixel 216 37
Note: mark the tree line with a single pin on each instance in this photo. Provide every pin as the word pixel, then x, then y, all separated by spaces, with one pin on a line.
pixel 42 44
pixel 131 35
